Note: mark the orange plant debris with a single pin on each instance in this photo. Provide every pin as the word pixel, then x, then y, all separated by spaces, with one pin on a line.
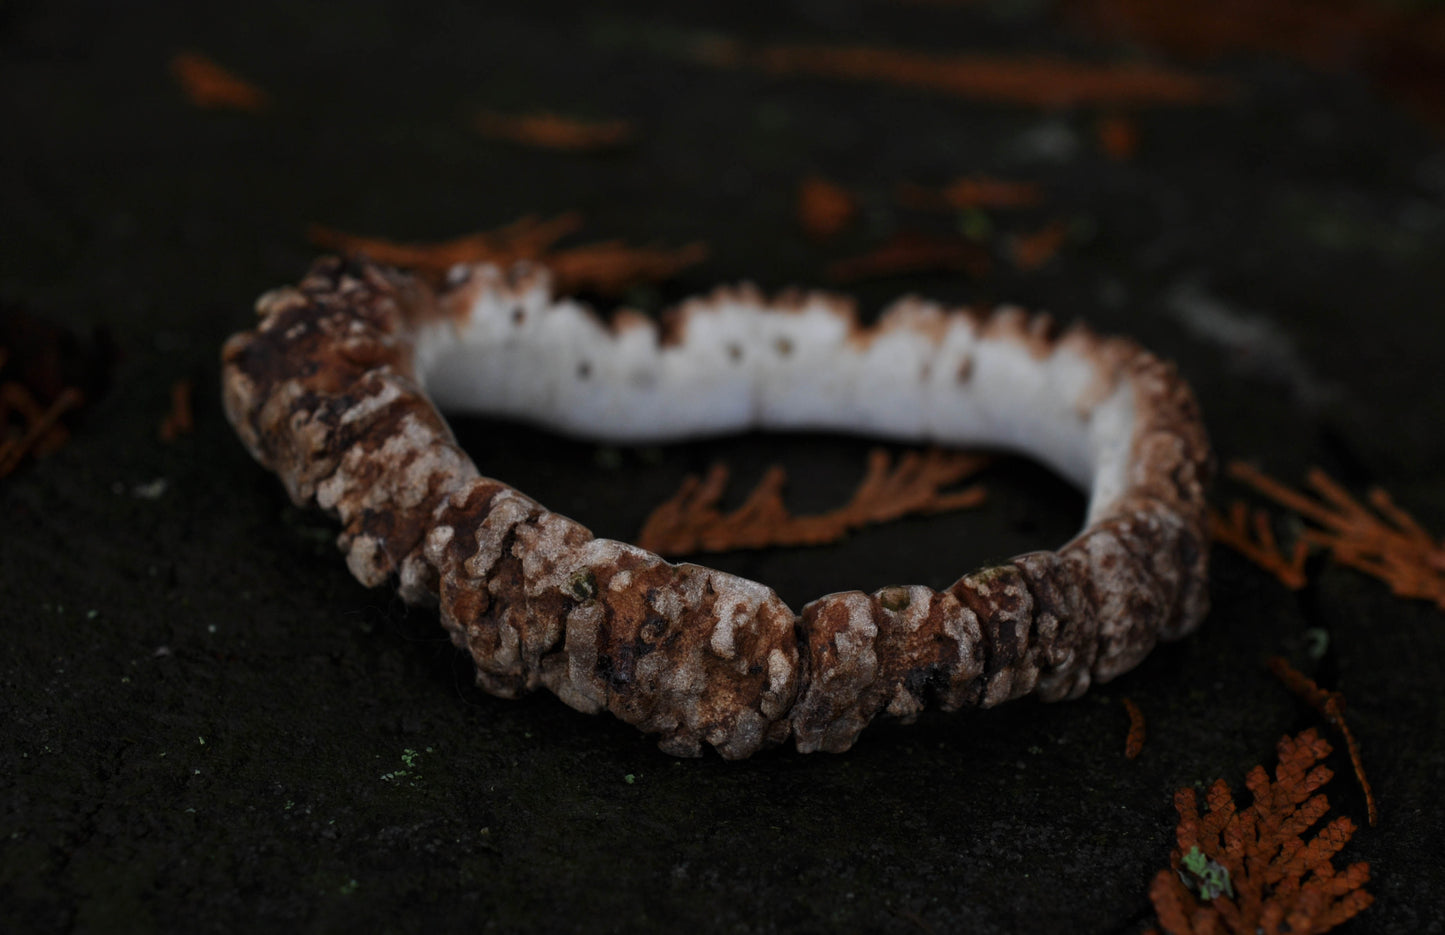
pixel 1332 706
pixel 1387 544
pixel 909 253
pixel 181 418
pixel 1031 251
pixel 1257 543
pixel 608 267
pixel 553 131
pixel 523 239
pixel 1036 81
pixel 211 87
pixel 1398 45
pixel 824 209
pixel 1248 870
pixel 1326 33
pixel 1134 742
pixel 969 192
pixel 691 522
pixel 612 267
pixel 1118 136
pixel 27 426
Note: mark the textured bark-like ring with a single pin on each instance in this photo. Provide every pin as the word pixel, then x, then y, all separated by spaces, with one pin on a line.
pixel 334 392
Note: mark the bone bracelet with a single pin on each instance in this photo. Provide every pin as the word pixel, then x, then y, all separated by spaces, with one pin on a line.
pixel 336 391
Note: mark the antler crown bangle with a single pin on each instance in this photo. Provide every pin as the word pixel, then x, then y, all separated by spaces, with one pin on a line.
pixel 337 388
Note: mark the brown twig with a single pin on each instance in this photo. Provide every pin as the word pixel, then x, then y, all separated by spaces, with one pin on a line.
pixel 1332 706
pixel 553 131
pixel 1257 543
pixel 1134 742
pixel 211 87
pixel 691 522
pixel 180 420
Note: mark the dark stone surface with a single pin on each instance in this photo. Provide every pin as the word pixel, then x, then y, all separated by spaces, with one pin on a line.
pixel 210 726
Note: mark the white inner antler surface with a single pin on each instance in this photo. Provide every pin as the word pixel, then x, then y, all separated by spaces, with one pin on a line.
pixel 740 363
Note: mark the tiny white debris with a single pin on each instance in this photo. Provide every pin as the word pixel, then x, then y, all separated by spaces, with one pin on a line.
pixel 1051 140
pixel 153 490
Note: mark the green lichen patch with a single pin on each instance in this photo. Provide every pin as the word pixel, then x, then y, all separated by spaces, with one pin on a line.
pixel 1204 876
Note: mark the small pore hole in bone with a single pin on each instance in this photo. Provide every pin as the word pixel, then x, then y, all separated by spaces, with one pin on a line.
pixel 735 353
pixel 895 599
pixel 965 370
pixel 583 585
pixel 584 370
pixel 784 347
pixel 519 316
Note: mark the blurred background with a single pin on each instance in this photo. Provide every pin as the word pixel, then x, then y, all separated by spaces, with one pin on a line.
pixel 211 726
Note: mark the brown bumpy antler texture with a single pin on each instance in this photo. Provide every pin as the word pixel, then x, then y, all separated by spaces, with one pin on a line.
pixel 328 393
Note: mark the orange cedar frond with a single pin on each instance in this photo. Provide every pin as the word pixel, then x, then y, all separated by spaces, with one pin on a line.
pixel 1250 870
pixel 1257 543
pixel 211 87
pixel 1332 706
pixel 1387 543
pixel 1280 493
pixel 553 131
pixel 691 522
pixel 1186 803
pixel 181 419
pixel 1039 81
pixel 524 239
pixel 1403 521
pixel 970 192
pixel 39 430
pixel 1134 743
pixel 1172 903
pixel 612 267
pixel 824 208
pixel 608 267
pixel 909 253
pixel 1220 810
pixel 1030 251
